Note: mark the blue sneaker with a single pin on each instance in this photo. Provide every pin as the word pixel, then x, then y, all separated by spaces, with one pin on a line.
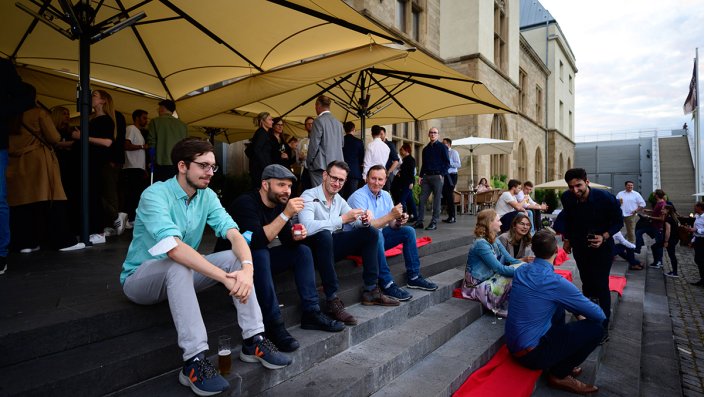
pixel 395 292
pixel 202 377
pixel 421 283
pixel 263 351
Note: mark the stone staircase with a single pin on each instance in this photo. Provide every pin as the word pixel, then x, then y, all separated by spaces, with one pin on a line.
pixel 677 172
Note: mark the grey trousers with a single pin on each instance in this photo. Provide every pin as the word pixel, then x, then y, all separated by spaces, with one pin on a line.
pixel 316 177
pixel 431 183
pixel 163 279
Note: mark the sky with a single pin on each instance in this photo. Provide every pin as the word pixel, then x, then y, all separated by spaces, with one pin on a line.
pixel 634 60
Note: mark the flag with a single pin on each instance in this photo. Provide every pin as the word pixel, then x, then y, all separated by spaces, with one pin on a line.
pixel 691 102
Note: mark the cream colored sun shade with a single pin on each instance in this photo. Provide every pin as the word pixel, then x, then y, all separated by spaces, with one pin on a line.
pixel 183 45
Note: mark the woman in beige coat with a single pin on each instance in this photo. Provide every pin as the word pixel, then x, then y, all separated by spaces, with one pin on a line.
pixel 34 191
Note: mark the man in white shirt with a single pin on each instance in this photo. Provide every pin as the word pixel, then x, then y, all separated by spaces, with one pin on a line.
pixel 524 197
pixel 134 170
pixel 631 202
pixel 376 152
pixel 507 206
pixel 697 241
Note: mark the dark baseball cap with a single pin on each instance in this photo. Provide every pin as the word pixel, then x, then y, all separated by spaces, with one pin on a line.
pixel 277 171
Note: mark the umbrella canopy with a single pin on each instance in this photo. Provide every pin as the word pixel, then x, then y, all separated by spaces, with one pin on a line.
pixel 560 184
pixel 476 146
pixel 416 87
pixel 183 45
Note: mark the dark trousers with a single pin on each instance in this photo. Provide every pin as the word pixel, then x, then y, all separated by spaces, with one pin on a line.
pixel 40 223
pixel 351 184
pixel 698 255
pixel 405 196
pixel 165 172
pixel 626 253
pixel 656 247
pixel 594 265
pixel 136 180
pixel 564 346
pixel 270 261
pixel 671 250
pixel 330 247
pixel 507 219
pixel 449 183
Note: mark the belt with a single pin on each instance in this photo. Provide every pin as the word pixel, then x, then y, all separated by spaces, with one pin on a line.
pixel 522 353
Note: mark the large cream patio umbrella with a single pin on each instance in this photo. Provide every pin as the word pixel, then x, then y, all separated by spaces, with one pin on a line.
pixel 560 184
pixel 417 87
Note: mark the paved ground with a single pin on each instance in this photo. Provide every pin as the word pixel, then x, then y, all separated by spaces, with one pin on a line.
pixel 685 303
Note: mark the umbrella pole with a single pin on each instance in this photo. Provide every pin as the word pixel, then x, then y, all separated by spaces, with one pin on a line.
pixel 85 110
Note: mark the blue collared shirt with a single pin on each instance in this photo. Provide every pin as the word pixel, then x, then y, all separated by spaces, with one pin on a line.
pixel 163 213
pixel 537 292
pixel 380 204
pixel 317 215
pixel 454 158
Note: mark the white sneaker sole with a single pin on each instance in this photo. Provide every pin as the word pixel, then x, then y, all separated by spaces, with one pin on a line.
pixel 254 359
pixel 185 381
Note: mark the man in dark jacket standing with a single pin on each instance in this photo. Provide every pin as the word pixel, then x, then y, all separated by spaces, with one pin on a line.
pixel 353 154
pixel 434 168
pixel 589 219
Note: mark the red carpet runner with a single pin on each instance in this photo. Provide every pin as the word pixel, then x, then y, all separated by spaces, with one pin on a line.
pixel 394 251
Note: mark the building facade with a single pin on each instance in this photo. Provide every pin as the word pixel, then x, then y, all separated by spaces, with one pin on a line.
pixel 499 43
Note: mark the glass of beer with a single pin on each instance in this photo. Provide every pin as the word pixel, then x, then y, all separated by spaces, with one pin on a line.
pixel 224 358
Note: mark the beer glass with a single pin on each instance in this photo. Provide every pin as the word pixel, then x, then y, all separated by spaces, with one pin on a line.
pixel 224 358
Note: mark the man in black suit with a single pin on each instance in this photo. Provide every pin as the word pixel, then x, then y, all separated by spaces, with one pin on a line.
pixel 353 154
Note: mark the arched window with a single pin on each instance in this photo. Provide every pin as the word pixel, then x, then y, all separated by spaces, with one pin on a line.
pixel 522 162
pixel 538 167
pixel 570 163
pixel 561 167
pixel 499 162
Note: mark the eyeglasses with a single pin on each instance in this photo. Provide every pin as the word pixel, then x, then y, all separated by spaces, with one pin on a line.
pixel 433 132
pixel 206 166
pixel 335 179
pixel 279 125
pixel 524 224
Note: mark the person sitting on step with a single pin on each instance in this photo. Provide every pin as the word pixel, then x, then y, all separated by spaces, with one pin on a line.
pixel 390 220
pixel 536 333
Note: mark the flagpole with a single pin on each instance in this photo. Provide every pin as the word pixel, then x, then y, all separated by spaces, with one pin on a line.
pixel 697 127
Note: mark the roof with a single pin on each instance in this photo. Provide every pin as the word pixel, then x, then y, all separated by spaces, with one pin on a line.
pixel 532 13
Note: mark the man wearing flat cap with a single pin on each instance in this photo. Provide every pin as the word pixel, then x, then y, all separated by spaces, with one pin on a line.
pixel 276 247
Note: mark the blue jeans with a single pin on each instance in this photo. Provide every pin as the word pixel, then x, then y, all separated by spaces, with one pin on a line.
pixel 270 261
pixel 390 237
pixel 530 214
pixel 4 208
pixel 626 253
pixel 564 346
pixel 330 247
pixel 656 247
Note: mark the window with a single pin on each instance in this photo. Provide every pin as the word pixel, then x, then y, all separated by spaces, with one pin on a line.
pixel 560 70
pixel 560 117
pixel 401 15
pixel 538 167
pixel 570 83
pixel 500 35
pixel 539 105
pixel 405 130
pixel 522 91
pixel 498 162
pixel 415 22
pixel 561 167
pixel 521 159
pixel 570 123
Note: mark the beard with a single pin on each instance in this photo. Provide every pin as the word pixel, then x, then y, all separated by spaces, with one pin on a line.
pixel 198 183
pixel 277 198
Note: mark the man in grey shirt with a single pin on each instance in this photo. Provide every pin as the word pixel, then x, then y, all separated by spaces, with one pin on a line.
pixel 326 141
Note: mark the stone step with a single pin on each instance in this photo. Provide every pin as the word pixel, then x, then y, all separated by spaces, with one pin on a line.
pixel 370 365
pixel 444 370
pixel 316 347
pixel 111 315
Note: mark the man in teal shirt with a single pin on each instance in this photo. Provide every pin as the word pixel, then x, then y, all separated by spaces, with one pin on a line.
pixel 163 264
pixel 164 132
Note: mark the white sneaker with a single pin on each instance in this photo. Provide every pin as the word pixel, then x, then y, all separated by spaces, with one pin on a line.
pixel 4 269
pixel 29 250
pixel 109 232
pixel 129 225
pixel 97 239
pixel 120 222
pixel 75 247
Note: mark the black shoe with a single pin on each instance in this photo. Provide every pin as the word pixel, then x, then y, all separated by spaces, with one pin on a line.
pixel 431 226
pixel 282 339
pixel 418 225
pixel 319 321
pixel 449 220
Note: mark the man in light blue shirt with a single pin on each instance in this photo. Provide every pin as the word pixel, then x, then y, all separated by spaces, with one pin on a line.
pixel 323 216
pixel 451 180
pixel 535 331
pixel 390 220
pixel 163 264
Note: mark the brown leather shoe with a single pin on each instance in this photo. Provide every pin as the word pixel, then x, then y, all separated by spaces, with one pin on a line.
pixel 576 372
pixel 571 384
pixel 336 310
pixel 376 297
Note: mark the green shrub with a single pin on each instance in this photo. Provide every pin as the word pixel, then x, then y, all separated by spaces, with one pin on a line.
pixel 499 182
pixel 416 191
pixel 549 196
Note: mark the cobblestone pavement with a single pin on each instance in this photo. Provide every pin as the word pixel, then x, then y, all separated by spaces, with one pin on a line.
pixel 685 304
